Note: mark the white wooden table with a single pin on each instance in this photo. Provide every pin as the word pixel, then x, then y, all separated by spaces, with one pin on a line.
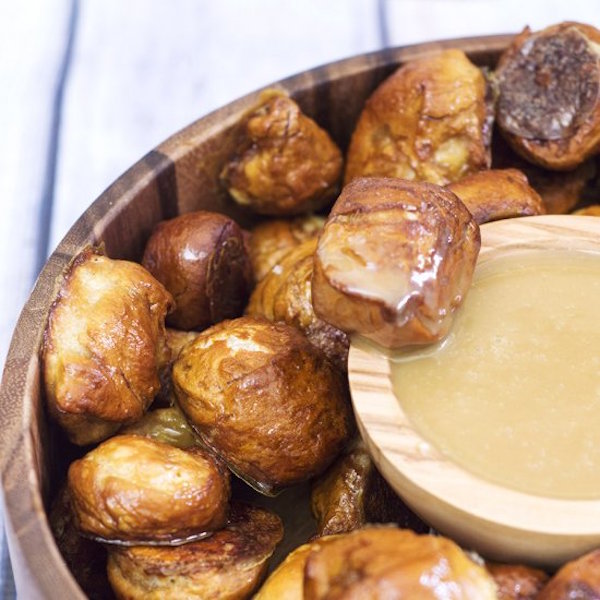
pixel 88 87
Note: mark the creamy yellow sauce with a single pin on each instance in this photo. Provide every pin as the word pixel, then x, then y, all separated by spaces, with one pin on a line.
pixel 513 393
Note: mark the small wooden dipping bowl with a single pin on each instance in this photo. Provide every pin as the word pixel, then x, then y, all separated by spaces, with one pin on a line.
pixel 500 523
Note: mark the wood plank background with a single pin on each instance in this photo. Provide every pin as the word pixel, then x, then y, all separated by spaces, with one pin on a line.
pixel 87 87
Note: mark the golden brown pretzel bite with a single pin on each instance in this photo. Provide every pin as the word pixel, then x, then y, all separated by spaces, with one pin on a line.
pixel 498 194
pixel 133 489
pixel 429 121
pixel 516 582
pixel 229 565
pixel 549 86
pixel 387 562
pixel 103 345
pixel 579 578
pixel 394 261
pixel 264 399
pixel 285 294
pixel 270 241
pixel 288 166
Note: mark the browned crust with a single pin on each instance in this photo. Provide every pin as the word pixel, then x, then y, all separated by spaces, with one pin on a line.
pixel 579 578
pixel 517 582
pixel 498 194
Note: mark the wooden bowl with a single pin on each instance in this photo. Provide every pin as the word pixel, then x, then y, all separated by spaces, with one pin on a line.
pixel 501 523
pixel 179 176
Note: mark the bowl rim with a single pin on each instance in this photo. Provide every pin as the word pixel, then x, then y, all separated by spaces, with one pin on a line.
pixel 43 573
pixel 411 462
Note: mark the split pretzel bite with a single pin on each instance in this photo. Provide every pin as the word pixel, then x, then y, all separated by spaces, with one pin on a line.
pixel 264 399
pixel 288 164
pixel 229 565
pixel 103 346
pixel 549 95
pixel 133 490
pixel 394 261
pixel 498 194
pixel 430 121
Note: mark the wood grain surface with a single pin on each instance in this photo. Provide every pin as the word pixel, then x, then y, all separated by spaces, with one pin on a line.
pixel 499 522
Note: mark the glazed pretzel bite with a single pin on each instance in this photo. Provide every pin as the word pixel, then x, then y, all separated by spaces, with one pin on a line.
pixel 430 121
pixel 270 241
pixel 229 565
pixel 201 258
pixel 578 578
pixel 387 562
pixel 103 346
pixel 288 165
pixel 498 194
pixel 549 84
pixel 264 399
pixel 284 294
pixel 394 261
pixel 132 489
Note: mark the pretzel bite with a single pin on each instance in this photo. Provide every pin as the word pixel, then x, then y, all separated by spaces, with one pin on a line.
pixel 201 258
pixel 498 194
pixel 271 240
pixel 285 295
pixel 103 345
pixel 590 211
pixel 286 582
pixel 516 582
pixel 560 190
pixel 85 558
pixel 167 425
pixel 579 578
pixel 288 165
pixel 229 565
pixel 394 261
pixel 386 562
pixel 549 95
pixel 133 489
pixel 429 121
pixel 265 400
pixel 352 493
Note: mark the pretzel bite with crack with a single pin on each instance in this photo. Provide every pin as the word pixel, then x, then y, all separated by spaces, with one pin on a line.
pixel 201 258
pixel 498 194
pixel 265 400
pixel 284 294
pixel 352 493
pixel 549 95
pixel 516 582
pixel 430 121
pixel 229 565
pixel 579 578
pixel 85 558
pixel 271 240
pixel 167 425
pixel 286 582
pixel 288 165
pixel 103 345
pixel 387 562
pixel 133 489
pixel 394 261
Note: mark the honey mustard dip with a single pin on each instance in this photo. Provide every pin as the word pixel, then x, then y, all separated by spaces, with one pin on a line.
pixel 513 393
